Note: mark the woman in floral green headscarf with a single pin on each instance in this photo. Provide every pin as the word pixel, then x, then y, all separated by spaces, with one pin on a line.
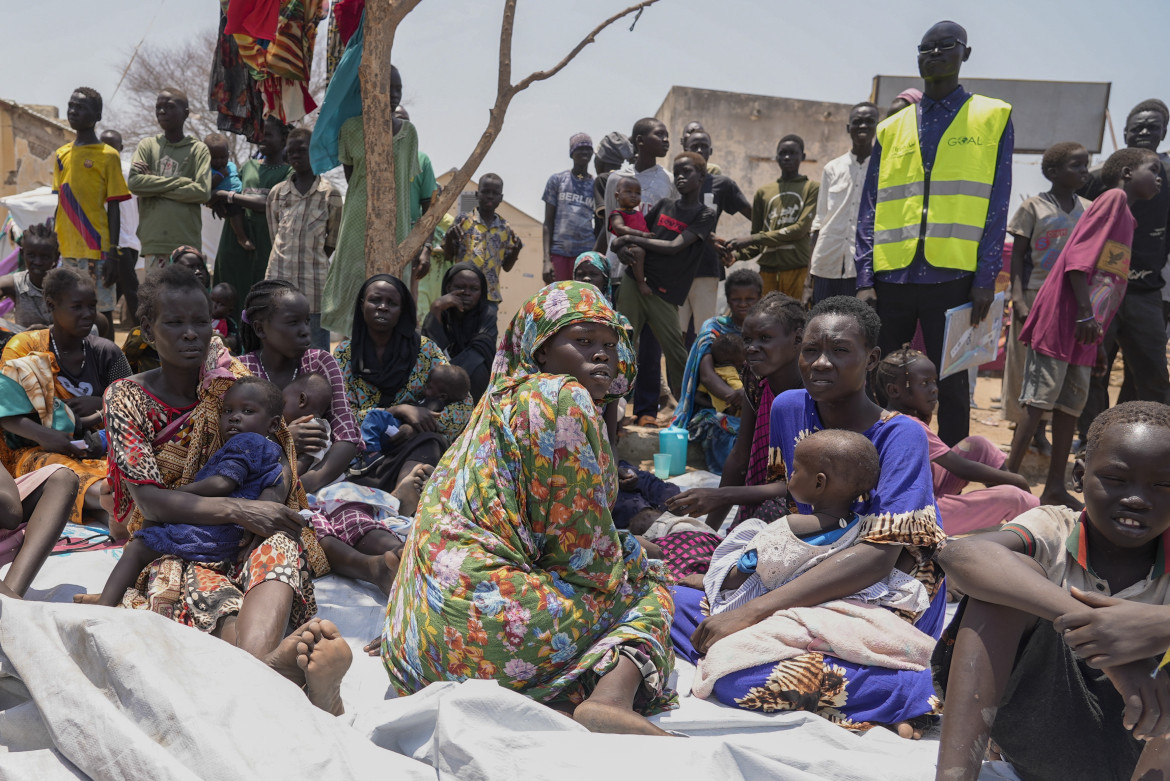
pixel 514 570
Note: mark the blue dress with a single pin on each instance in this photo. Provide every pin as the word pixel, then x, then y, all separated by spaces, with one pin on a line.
pixel 900 510
pixel 253 462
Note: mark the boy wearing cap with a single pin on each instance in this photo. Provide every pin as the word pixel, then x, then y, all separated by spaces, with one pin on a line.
pixel 568 213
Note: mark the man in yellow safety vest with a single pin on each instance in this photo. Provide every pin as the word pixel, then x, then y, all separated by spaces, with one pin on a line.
pixel 933 212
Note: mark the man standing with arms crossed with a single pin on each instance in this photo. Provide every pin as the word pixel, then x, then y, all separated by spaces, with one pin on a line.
pixel 933 213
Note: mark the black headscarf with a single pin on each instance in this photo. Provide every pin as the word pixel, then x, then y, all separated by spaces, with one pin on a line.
pixel 458 331
pixel 391 373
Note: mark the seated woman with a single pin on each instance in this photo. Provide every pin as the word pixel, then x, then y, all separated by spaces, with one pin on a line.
pixel 514 570
pixel 908 381
pixel 64 363
pixel 462 322
pixel 897 528
pixel 385 365
pixel 752 477
pixel 701 380
pixel 276 334
pixel 163 426
pixel 33 511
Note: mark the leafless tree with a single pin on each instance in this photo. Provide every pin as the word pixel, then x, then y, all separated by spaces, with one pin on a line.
pixel 383 253
pixel 186 66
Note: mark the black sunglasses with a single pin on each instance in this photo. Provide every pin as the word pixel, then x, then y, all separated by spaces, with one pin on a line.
pixel 945 45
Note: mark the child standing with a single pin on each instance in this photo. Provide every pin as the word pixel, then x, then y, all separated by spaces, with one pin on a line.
pixel 568 213
pixel 909 382
pixel 1052 658
pixel 87 178
pixel 1040 228
pixel 1073 309
pixel 304 218
pixel 171 175
pixel 249 465
pixel 628 220
pixel 484 238
pixel 223 322
pixel 226 178
pixel 782 217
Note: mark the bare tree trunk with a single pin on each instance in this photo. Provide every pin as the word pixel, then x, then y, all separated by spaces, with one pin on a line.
pixel 382 20
pixel 383 253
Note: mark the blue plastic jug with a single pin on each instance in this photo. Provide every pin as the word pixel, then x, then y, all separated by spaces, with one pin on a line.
pixel 673 440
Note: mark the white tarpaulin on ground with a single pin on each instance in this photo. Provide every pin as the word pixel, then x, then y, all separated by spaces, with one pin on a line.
pixel 111 693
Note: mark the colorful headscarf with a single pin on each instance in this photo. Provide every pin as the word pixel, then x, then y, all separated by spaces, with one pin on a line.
pixel 542 316
pixel 598 260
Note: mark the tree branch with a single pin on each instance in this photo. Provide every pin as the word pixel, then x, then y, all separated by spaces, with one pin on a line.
pixel 424 229
pixel 588 39
pixel 504 83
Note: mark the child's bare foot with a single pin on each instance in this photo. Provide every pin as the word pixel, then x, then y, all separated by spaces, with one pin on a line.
pixel 906 730
pixel 1061 497
pixel 325 664
pixel 607 717
pixel 86 599
pixel 285 658
pixel 385 568
pixel 410 487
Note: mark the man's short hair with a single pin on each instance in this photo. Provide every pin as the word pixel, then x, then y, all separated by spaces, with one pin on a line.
pixel 642 127
pixel 177 95
pixel 694 158
pixel 1153 104
pixel 1057 155
pixel 302 133
pixel 794 139
pixel 1130 157
pixel 94 97
pixel 862 104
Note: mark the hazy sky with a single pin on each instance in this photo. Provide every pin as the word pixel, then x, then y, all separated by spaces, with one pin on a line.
pixel 447 51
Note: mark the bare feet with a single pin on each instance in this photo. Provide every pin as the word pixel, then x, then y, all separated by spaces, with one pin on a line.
pixel 410 487
pixel 598 716
pixel 907 730
pixel 285 658
pixel 86 599
pixel 386 567
pixel 1061 497
pixel 325 662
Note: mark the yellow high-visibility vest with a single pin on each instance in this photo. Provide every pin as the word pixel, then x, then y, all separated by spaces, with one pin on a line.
pixel 951 202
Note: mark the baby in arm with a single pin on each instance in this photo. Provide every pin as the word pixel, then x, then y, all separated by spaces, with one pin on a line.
pixel 249 465
pixel 832 469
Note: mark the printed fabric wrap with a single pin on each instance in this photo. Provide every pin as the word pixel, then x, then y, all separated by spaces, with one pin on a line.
pixel 514 570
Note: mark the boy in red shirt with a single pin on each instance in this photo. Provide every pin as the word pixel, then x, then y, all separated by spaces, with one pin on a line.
pixel 1073 309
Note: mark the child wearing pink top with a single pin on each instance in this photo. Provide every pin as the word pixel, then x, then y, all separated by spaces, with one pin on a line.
pixel 910 383
pixel 1074 308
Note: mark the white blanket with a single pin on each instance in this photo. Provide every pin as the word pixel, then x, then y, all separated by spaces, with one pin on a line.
pixel 88 691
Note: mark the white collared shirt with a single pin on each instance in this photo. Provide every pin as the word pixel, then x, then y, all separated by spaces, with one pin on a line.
pixel 836 218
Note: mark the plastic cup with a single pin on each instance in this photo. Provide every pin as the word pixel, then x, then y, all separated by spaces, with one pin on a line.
pixel 662 465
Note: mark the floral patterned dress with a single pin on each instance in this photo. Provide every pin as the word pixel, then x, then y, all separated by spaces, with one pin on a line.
pixel 514 570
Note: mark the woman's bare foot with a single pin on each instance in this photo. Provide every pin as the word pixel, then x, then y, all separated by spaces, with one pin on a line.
pixel 598 716
pixel 410 487
pixel 285 658
pixel 324 663
pixel 385 568
pixel 86 599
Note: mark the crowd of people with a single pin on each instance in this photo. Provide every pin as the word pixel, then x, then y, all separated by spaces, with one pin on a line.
pixel 472 478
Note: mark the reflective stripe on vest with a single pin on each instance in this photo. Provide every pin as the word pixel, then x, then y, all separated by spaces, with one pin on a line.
pixel 953 201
